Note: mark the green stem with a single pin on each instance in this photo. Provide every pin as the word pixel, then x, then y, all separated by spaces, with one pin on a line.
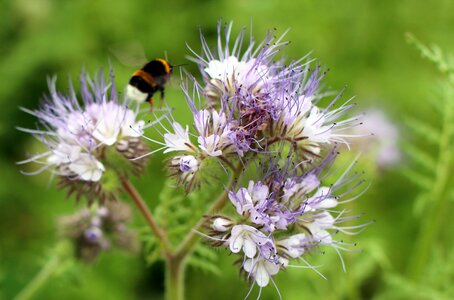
pixel 176 261
pixel 174 281
pixel 45 273
pixel 430 226
pixel 146 213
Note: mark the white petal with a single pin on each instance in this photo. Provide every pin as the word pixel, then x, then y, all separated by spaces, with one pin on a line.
pixel 210 144
pixel 328 203
pixel 236 243
pixel 179 140
pixel 327 221
pixel 132 129
pixel 201 119
pixel 271 268
pixel 88 168
pixel 249 248
pixel 283 261
pixel 248 265
pixel 261 276
pixel 106 131
pixel 322 236
pixel 259 192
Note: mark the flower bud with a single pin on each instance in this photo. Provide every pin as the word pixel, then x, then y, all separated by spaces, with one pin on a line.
pixel 185 168
pixel 189 163
pixel 93 234
pixel 221 224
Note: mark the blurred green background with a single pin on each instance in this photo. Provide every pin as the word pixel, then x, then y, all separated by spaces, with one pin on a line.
pixel 361 41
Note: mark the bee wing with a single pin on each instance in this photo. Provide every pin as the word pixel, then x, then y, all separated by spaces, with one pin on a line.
pixel 131 54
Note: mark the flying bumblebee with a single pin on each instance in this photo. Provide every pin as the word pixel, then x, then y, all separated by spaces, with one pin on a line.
pixel 151 78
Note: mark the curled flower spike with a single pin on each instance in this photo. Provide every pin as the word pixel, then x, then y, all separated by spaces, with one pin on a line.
pixel 284 216
pixel 81 134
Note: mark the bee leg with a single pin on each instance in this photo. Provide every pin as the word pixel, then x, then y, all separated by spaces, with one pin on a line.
pixel 162 93
pixel 162 97
pixel 151 101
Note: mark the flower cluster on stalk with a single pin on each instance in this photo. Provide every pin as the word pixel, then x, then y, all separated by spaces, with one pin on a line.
pixel 284 215
pixel 98 228
pixel 84 133
pixel 259 109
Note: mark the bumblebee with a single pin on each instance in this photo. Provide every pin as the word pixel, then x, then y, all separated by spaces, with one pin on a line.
pixel 151 78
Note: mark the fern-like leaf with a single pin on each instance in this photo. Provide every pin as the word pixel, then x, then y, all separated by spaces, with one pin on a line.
pixel 432 53
pixel 205 258
pixel 419 156
pixel 178 212
pixel 436 189
pixel 417 177
pixel 423 130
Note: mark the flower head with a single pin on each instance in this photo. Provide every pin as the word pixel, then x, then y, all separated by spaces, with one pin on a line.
pixel 79 132
pixel 96 229
pixel 284 216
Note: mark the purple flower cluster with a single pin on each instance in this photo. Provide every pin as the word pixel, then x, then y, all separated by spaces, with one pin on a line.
pixel 254 104
pixel 79 130
pixel 283 216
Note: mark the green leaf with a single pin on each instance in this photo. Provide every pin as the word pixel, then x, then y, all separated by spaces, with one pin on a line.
pixel 420 203
pixel 423 181
pixel 421 157
pixel 205 258
pixel 433 54
pixel 424 130
pixel 179 212
pixel 402 288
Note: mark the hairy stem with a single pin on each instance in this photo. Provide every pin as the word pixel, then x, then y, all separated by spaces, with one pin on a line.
pixel 174 278
pixel 146 213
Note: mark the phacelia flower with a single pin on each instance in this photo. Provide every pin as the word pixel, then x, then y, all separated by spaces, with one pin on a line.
pixel 96 229
pixel 248 239
pixel 80 133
